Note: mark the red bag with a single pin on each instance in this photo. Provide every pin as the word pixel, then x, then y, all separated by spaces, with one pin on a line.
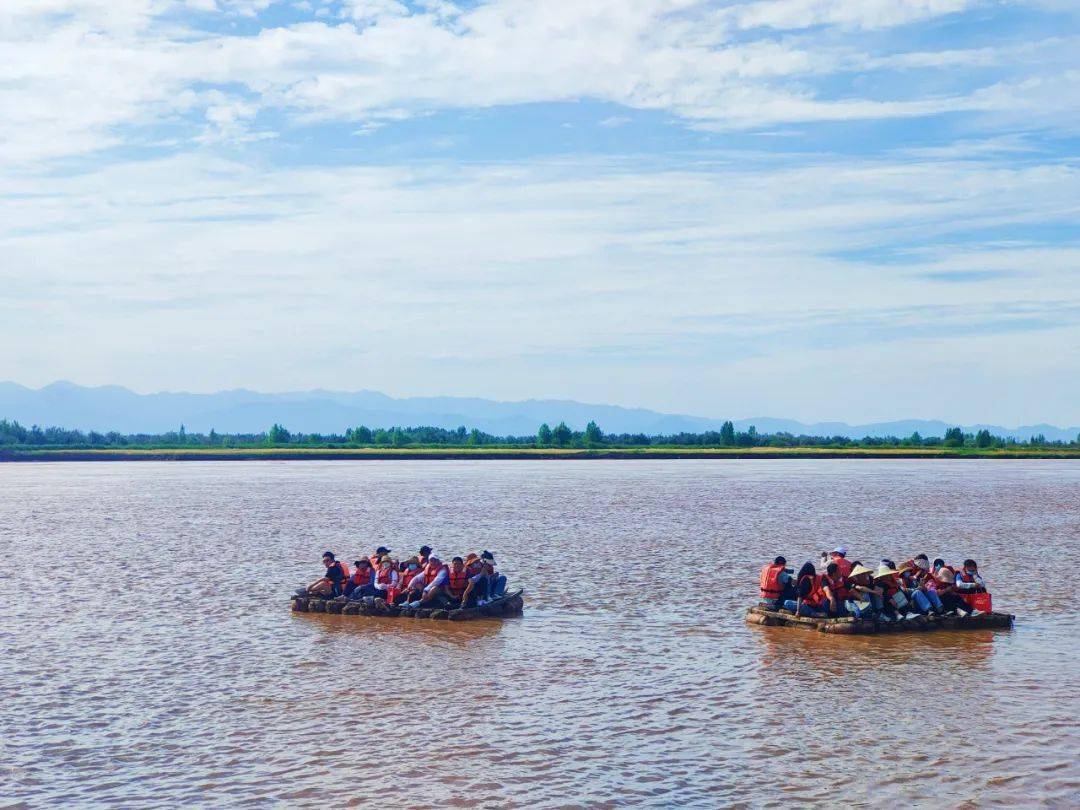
pixel 977 601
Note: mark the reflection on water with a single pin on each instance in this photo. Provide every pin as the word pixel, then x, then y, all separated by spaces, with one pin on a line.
pixel 168 669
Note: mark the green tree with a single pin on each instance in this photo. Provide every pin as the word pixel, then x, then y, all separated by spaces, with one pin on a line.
pixel 214 438
pixel 954 437
pixel 562 434
pixel 915 439
pixel 278 435
pixel 727 434
pixel 983 438
pixel 593 434
pixel 543 435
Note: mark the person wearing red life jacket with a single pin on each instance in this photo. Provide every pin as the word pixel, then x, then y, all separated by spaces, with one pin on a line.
pixel 413 580
pixel 811 600
pixel 968 580
pixel 865 599
pixel 839 556
pixel 376 558
pixel 424 556
pixel 835 586
pixel 457 580
pixel 387 579
pixel 330 583
pixel 945 585
pixel 362 581
pixel 775 584
pixel 435 576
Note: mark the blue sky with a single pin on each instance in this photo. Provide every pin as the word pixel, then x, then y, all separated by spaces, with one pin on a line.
pixel 817 209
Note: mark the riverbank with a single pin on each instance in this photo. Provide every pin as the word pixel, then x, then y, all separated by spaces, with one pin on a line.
pixel 520 453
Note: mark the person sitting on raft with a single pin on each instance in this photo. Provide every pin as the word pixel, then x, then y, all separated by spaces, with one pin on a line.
pixel 865 599
pixel 376 558
pixel 922 578
pixel 839 556
pixel 968 579
pixel 362 581
pixel 835 587
pixel 945 583
pixel 917 597
pixel 387 579
pixel 811 600
pixel 775 584
pixel 330 583
pixel 894 600
pixel 485 585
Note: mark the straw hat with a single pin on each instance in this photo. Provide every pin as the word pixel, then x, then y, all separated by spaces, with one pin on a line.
pixel 884 571
pixel 907 566
pixel 860 569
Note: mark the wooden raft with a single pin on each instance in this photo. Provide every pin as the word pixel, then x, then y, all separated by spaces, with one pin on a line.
pixel 510 605
pixel 852 626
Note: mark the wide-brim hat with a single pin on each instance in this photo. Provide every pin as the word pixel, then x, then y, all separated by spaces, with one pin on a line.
pixel 860 569
pixel 884 571
pixel 471 558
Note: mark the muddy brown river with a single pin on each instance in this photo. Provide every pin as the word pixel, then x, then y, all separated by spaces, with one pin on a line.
pixel 148 657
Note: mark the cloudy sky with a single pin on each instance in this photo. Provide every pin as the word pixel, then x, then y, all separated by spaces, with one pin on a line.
pixel 817 209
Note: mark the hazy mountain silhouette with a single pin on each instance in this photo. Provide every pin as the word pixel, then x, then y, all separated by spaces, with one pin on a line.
pixel 113 407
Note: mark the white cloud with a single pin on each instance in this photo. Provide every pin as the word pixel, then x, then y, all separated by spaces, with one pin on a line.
pixel 80 75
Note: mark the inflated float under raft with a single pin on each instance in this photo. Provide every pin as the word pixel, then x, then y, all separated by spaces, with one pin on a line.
pixel 852 626
pixel 510 605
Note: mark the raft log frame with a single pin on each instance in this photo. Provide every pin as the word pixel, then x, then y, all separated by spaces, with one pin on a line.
pixel 862 627
pixel 510 605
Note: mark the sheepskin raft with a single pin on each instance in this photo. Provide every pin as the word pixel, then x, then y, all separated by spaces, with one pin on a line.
pixel 510 605
pixel 852 626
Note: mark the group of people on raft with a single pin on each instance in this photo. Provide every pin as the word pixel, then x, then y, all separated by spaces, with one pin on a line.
pixel 422 580
pixel 887 594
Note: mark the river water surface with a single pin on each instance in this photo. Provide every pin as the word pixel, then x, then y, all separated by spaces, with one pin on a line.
pixel 148 657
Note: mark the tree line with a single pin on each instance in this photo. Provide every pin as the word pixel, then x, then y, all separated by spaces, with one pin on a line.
pixel 12 434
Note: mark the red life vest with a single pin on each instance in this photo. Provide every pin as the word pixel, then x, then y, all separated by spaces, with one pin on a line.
pixel 456 581
pixel 385 577
pixel 408 576
pixel 816 597
pixel 770 581
pixel 837 584
pixel 344 568
pixel 844 565
pixel 362 577
pixel 889 584
pixel 431 570
pixel 374 560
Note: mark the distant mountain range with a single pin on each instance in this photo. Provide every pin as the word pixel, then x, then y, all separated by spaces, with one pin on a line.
pixel 111 407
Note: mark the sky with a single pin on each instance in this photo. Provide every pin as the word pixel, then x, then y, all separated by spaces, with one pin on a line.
pixel 858 210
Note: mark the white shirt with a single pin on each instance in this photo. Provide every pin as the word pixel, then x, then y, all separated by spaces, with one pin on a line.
pixel 440 579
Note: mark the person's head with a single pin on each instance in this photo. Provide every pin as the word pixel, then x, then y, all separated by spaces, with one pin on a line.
pixel 939 563
pixel 425 551
pixel 922 562
pixel 363 564
pixel 969 565
pixel 487 555
pixel 380 551
pixel 780 561
pixel 889 563
pixel 434 561
pixel 412 563
pixel 328 558
pixel 839 551
pixel 457 563
pixel 386 563
pixel 832 569
pixel 807 570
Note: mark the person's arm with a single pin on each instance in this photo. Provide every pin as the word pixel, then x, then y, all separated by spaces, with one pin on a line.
pixel 440 579
pixel 967 586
